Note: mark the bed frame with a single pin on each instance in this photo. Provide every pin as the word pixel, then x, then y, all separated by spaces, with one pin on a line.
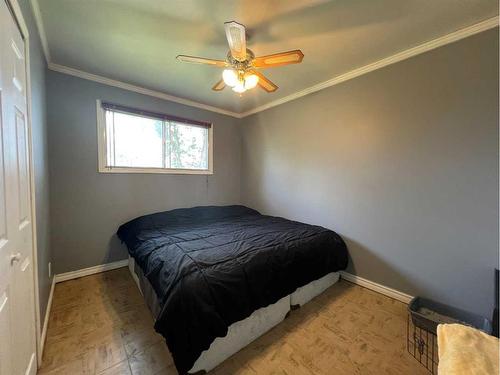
pixel 243 332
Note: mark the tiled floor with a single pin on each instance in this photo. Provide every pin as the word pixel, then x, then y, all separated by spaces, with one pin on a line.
pixel 100 324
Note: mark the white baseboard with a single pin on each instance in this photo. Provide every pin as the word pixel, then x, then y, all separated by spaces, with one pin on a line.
pixel 90 271
pixel 43 335
pixel 382 289
pixel 32 366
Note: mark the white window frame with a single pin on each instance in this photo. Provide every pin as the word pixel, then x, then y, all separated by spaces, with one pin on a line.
pixel 102 153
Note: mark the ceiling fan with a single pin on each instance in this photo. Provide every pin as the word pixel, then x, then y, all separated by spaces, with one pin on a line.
pixel 241 65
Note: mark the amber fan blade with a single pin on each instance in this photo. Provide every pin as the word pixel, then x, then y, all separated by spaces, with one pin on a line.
pixel 219 86
pixel 279 59
pixel 265 83
pixel 201 60
pixel 235 34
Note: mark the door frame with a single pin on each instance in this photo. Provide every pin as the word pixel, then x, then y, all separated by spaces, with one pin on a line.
pixel 18 17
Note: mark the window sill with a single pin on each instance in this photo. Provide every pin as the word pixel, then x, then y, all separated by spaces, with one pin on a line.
pixel 125 170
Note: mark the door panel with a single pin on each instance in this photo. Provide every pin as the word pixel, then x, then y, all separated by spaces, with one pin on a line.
pixel 3 203
pixel 22 168
pixel 5 332
pixel 18 77
pixel 24 309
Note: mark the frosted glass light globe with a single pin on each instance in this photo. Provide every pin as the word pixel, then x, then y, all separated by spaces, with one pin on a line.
pixel 230 77
pixel 251 81
pixel 239 88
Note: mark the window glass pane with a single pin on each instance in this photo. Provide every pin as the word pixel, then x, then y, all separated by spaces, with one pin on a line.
pixel 137 141
pixel 134 141
pixel 187 146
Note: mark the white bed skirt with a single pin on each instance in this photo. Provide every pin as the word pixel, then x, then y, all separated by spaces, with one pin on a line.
pixel 243 332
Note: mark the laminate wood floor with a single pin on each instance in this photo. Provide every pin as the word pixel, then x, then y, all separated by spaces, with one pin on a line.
pixel 100 324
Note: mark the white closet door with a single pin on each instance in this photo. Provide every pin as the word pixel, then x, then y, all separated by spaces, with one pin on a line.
pixel 17 312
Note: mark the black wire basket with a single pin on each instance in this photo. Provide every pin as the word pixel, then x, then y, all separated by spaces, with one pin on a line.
pixel 424 317
pixel 422 345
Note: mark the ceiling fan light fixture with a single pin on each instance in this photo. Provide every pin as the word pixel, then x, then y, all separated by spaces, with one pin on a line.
pixel 241 66
pixel 230 77
pixel 251 81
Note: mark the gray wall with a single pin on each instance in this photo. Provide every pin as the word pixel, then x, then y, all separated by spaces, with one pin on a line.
pixel 402 162
pixel 40 156
pixel 86 206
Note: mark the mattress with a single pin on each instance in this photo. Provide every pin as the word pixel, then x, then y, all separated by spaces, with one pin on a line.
pixel 243 332
pixel 211 267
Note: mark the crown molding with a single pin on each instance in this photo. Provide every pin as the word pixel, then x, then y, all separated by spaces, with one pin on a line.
pixel 112 82
pixel 37 15
pixel 138 89
pixel 400 56
pixel 403 55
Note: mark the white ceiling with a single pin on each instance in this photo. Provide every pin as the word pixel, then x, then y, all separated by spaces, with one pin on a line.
pixel 136 41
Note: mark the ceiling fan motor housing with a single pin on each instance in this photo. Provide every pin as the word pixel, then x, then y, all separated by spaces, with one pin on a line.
pixel 236 64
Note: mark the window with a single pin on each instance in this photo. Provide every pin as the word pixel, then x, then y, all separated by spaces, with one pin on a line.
pixel 137 141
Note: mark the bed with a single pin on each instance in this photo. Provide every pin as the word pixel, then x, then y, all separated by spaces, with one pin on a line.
pixel 216 278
